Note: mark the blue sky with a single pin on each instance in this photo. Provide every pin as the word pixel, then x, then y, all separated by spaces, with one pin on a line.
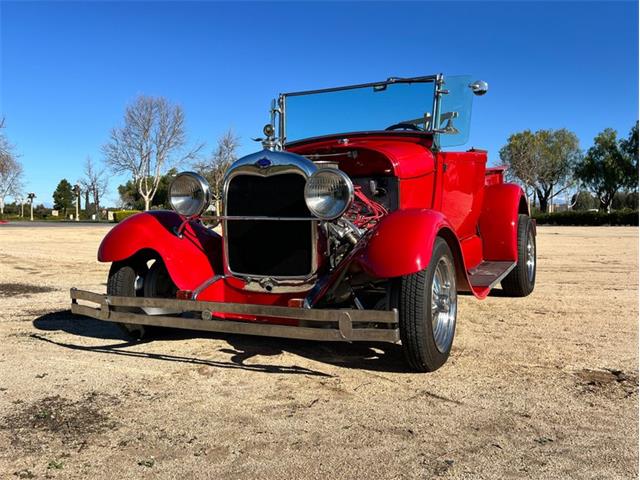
pixel 68 69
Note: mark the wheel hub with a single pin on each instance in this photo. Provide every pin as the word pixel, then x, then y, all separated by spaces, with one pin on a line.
pixel 531 256
pixel 443 304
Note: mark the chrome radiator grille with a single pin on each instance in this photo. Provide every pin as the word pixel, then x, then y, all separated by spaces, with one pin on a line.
pixel 268 248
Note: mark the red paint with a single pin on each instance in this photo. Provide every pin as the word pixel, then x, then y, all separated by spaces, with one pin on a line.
pixel 190 260
pixel 452 190
pixel 472 251
pixel 400 156
pixel 401 243
pixel 461 189
pixel 494 175
pixel 417 192
pixel 449 194
pixel 499 221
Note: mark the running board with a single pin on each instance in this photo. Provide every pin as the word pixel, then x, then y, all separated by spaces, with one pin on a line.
pixel 488 274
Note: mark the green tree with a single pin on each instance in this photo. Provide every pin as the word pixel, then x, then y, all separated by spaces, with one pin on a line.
pixel 619 200
pixel 631 201
pixel 583 200
pixel 610 165
pixel 542 161
pixel 63 196
pixel 629 147
pixel 131 198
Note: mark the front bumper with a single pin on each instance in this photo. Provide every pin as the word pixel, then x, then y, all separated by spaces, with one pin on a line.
pixel 338 325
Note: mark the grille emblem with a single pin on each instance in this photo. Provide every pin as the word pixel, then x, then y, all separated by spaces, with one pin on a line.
pixel 264 162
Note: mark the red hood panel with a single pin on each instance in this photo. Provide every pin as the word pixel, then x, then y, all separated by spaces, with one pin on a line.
pixel 400 156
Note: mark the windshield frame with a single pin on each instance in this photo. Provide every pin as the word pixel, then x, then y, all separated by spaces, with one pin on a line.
pixel 279 108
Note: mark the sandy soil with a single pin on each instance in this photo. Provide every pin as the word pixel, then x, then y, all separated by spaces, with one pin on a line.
pixel 542 387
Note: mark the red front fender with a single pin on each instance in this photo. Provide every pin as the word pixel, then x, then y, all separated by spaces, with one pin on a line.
pixel 402 243
pixel 190 259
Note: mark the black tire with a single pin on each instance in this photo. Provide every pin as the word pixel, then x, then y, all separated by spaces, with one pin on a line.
pixel 521 280
pixel 122 283
pixel 155 283
pixel 416 313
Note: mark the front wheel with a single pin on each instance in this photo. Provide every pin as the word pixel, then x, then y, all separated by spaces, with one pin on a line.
pixel 428 304
pixel 138 279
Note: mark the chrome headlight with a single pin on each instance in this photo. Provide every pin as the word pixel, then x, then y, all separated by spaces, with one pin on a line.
pixel 189 194
pixel 328 193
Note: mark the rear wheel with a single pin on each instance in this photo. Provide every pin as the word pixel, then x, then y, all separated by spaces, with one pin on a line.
pixel 140 279
pixel 522 279
pixel 428 305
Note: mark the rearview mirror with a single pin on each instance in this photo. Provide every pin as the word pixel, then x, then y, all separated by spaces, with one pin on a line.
pixel 479 87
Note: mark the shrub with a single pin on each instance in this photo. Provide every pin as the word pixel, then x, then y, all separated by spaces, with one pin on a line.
pixel 120 215
pixel 572 217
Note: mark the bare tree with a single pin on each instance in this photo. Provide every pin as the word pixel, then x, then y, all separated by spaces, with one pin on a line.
pixel 215 167
pixel 94 183
pixel 152 138
pixel 10 170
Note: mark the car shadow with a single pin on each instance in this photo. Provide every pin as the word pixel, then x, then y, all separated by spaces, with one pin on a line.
pixel 373 356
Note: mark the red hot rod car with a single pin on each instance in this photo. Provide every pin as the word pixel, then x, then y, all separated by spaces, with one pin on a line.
pixel 354 223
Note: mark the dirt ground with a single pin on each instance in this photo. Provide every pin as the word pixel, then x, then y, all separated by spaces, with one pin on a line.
pixel 541 387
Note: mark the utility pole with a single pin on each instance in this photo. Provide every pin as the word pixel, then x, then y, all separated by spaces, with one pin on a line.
pixel 76 190
pixel 31 196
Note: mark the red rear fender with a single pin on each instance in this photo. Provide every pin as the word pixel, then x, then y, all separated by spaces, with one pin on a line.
pixel 498 221
pixel 190 259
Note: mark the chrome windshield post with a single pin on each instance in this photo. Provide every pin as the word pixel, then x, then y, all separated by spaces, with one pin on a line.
pixel 282 125
pixel 435 123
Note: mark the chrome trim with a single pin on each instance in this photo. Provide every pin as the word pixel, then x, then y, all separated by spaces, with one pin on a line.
pixel 479 87
pixel 348 182
pixel 276 285
pixel 282 108
pixel 204 185
pixel 347 324
pixel 388 81
pixel 204 285
pixel 500 277
pixel 436 109
pixel 319 156
pixel 531 256
pixel 282 131
pixel 242 217
pixel 444 304
pixel 280 163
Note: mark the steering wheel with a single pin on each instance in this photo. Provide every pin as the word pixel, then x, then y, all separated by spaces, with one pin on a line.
pixel 404 126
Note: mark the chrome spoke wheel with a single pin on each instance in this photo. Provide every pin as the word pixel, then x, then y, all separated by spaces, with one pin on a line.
pixel 531 256
pixel 443 304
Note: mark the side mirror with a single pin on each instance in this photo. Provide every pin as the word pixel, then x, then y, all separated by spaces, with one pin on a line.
pixel 479 87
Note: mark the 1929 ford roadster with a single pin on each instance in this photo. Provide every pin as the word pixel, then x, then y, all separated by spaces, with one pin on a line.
pixel 352 224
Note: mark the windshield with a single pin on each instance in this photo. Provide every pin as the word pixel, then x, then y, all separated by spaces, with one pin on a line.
pixel 357 109
pixel 400 104
pixel 455 111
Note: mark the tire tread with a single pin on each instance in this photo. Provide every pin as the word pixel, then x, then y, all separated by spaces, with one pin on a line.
pixel 516 283
pixel 417 339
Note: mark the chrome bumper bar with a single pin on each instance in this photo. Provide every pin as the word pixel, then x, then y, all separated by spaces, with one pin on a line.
pixel 352 325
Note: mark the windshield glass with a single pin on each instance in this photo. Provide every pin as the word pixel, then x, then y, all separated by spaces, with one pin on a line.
pixel 455 111
pixel 362 108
